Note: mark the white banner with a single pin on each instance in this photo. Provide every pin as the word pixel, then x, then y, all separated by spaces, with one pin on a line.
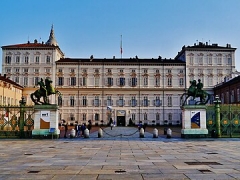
pixel 45 115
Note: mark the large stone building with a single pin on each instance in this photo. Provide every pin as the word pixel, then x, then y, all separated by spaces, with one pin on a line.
pixel 10 92
pixel 146 90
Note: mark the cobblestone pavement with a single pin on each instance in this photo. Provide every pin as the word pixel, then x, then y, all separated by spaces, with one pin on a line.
pixel 120 154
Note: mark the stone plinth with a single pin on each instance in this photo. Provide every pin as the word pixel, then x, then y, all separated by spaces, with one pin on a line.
pixel 46 121
pixel 194 121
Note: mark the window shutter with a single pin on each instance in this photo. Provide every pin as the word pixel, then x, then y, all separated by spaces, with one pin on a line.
pixel 123 102
pixel 118 81
pixel 80 81
pixel 106 81
pixel 111 102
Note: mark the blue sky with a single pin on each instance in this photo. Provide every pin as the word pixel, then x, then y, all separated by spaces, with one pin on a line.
pixel 149 28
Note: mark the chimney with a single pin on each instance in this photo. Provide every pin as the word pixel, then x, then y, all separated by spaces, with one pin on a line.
pixel 5 76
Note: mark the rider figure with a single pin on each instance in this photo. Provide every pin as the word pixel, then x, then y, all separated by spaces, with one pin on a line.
pixel 42 87
pixel 199 87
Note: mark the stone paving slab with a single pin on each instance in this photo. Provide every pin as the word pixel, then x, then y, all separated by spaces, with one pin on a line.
pixel 120 157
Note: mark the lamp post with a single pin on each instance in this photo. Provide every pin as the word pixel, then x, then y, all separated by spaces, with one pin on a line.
pixel 217 103
pixel 22 103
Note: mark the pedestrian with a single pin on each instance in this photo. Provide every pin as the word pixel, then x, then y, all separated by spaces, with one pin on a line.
pixel 79 130
pixel 140 125
pixel 66 129
pixel 76 129
pixel 83 127
pixel 89 125
pixel 111 123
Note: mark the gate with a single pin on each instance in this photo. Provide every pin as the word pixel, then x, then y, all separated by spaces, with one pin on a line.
pixel 229 120
pixel 16 121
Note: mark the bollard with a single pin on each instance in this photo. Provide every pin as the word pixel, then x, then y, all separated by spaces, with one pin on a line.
pixel 86 133
pixel 169 133
pixel 100 133
pixel 72 133
pixel 155 133
pixel 141 133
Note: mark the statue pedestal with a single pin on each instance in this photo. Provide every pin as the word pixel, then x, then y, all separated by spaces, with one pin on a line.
pixel 194 121
pixel 46 121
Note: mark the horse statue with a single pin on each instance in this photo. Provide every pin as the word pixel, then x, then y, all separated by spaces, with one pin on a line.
pixel 46 89
pixel 195 90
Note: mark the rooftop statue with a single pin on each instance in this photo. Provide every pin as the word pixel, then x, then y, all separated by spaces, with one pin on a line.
pixel 195 90
pixel 46 89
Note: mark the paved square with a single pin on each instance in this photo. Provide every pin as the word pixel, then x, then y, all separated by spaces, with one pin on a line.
pixel 120 157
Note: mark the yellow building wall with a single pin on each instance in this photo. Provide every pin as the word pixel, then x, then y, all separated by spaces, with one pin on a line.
pixel 10 94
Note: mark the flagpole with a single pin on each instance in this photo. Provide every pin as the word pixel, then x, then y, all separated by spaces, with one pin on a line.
pixel 121 47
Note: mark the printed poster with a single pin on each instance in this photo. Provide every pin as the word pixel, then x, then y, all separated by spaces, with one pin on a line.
pixel 195 119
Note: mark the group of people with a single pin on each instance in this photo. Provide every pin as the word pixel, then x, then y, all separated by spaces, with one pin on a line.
pixel 79 129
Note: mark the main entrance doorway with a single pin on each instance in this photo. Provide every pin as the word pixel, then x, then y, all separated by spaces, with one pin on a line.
pixel 121 121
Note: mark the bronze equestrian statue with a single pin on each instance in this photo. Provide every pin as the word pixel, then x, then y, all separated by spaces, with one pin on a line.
pixel 195 90
pixel 46 89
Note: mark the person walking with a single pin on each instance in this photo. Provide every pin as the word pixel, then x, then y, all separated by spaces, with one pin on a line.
pixel 76 129
pixel 89 126
pixel 66 129
pixel 83 127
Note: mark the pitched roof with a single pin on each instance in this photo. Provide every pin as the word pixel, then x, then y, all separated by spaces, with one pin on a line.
pixel 118 60
pixel 6 79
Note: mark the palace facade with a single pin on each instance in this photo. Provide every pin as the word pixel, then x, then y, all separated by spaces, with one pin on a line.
pixel 97 89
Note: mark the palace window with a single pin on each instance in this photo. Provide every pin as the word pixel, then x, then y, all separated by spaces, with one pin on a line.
pixel 84 101
pixel 84 116
pixel 181 81
pixel 17 79
pixel 169 81
pixel 25 81
pixel 73 81
pixel 17 59
pixel 133 101
pixel 157 116
pixel 96 117
pixel 133 117
pixel 109 101
pixel 158 102
pixel 48 59
pixel 26 59
pixel 121 81
pixel 109 81
pixel 133 82
pixel 145 81
pixel 72 101
pixel 96 81
pixel 8 59
pixel 96 102
pixel 36 80
pixel 59 101
pixel 145 117
pixel 145 101
pixel 120 101
pixel 60 81
pixel 169 100
pixel 157 81
pixel 37 59
pixel 8 70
